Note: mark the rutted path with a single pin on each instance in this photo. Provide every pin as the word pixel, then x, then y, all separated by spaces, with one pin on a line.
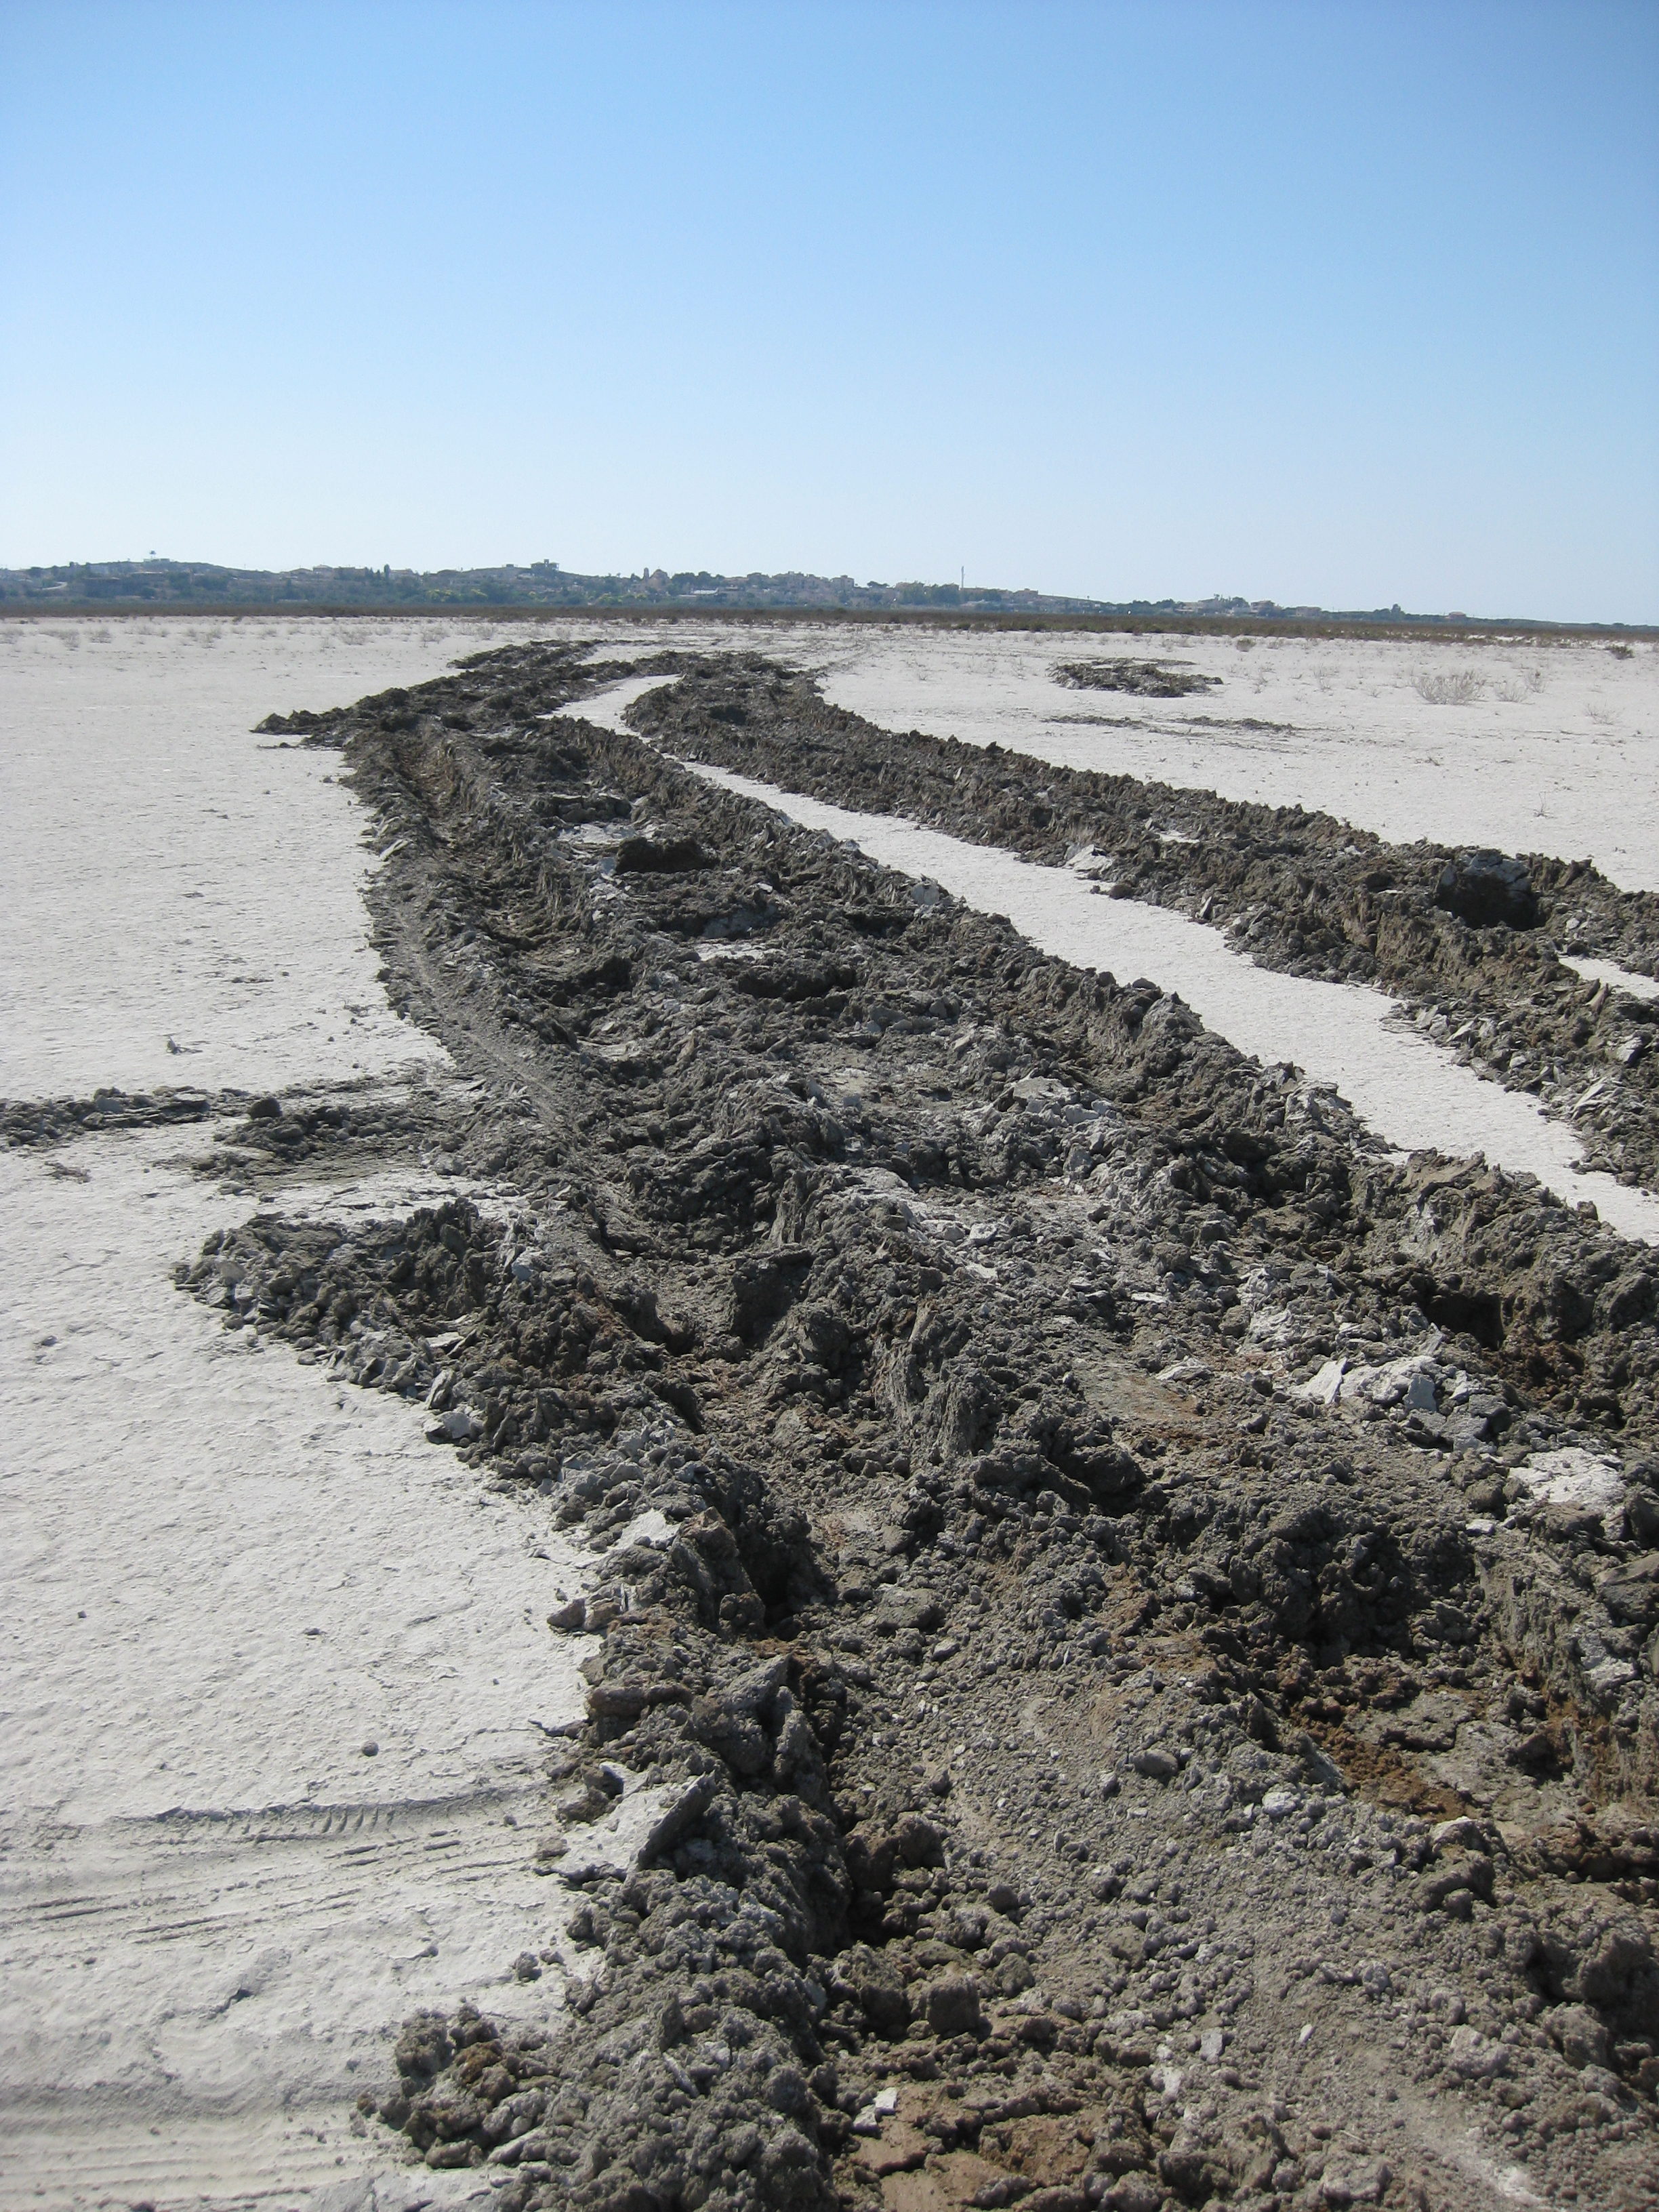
pixel 1414 1095
pixel 1102 1479
pixel 1467 940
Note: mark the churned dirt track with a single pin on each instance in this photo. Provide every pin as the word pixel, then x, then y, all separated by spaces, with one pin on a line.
pixel 1470 941
pixel 1140 1608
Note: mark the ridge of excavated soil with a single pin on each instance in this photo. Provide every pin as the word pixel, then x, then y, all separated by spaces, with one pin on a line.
pixel 1471 941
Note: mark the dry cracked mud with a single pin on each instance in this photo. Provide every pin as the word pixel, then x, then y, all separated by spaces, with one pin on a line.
pixel 1143 1609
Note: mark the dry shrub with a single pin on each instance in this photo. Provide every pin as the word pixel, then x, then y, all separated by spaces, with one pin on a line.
pixel 1448 687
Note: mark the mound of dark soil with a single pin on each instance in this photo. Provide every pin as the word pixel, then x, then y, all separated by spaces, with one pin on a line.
pixel 1468 940
pixel 1143 679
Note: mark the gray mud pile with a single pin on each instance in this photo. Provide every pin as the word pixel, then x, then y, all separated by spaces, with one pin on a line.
pixel 1469 940
pixel 1141 1612
pixel 1141 679
pixel 51 1120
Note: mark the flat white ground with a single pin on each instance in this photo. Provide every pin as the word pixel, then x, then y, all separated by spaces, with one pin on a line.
pixel 185 881
pixel 1571 767
pixel 222 1575
pixel 226 1576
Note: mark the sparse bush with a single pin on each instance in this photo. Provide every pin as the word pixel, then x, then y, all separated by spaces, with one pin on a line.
pixel 1523 685
pixel 1449 687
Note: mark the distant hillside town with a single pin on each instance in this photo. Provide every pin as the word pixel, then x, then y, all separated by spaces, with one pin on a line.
pixel 200 584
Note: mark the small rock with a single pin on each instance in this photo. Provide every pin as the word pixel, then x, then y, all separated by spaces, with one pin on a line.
pixel 1459 1835
pixel 445 2157
pixel 682 1813
pixel 1631 1594
pixel 583 1801
pixel 1134 2192
pixel 1186 1370
pixel 615 1701
pixel 1485 889
pixel 920 1843
pixel 532 2146
pixel 1157 1765
pixel 952 2006
pixel 1600 2082
pixel 1361 2184
pixel 1578 2034
pixel 878 1989
pixel 1324 1387
pixel 1474 2056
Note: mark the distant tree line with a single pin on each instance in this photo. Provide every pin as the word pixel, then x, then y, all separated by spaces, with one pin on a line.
pixel 183 584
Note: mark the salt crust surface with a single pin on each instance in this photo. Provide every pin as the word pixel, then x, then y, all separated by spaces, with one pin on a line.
pixel 226 1575
pixel 169 876
pixel 212 1905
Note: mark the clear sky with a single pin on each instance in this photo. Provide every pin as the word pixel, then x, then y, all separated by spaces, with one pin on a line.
pixel 1349 302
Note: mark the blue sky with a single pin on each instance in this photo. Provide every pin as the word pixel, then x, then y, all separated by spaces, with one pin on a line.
pixel 1349 302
